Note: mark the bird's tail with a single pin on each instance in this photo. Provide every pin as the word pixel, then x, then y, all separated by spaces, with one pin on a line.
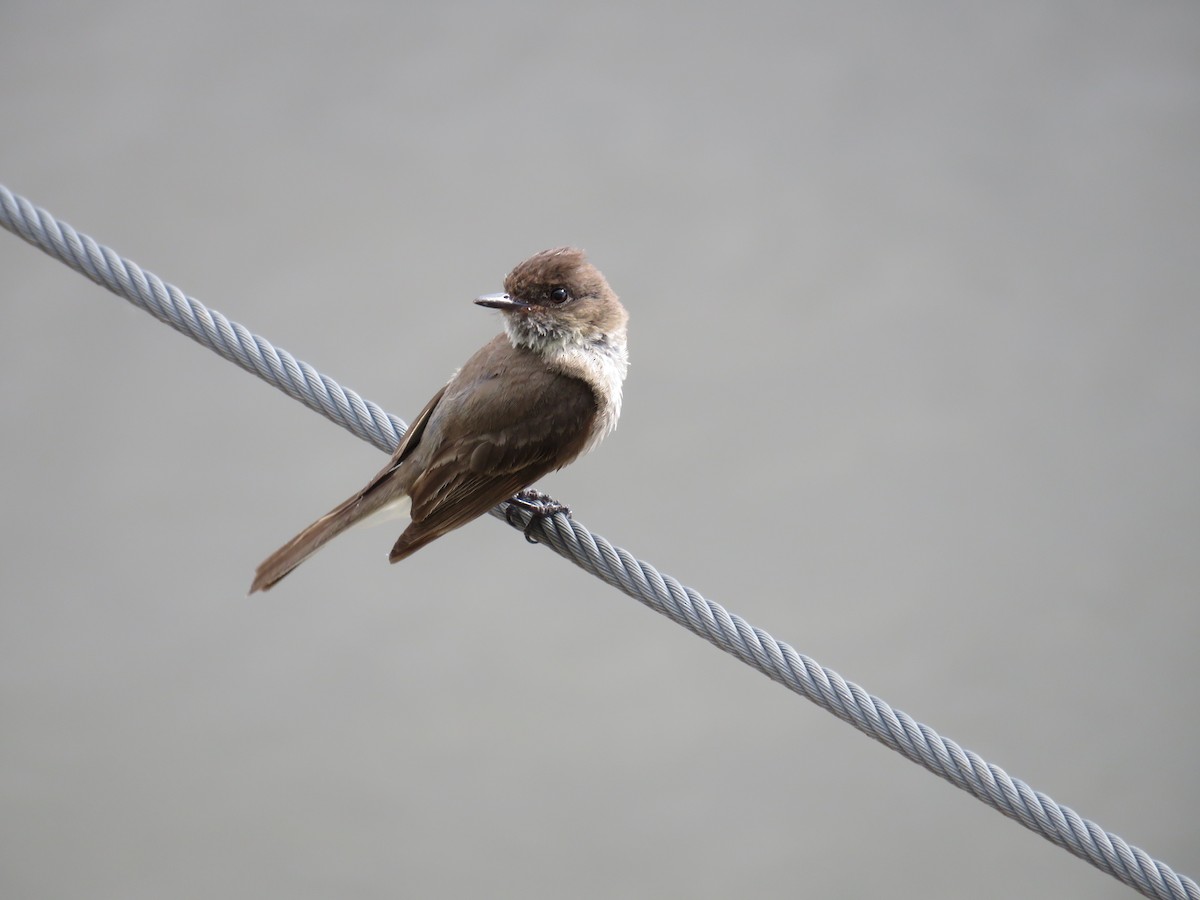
pixel 312 539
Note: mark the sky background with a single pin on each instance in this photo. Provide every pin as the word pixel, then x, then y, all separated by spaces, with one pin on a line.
pixel 914 387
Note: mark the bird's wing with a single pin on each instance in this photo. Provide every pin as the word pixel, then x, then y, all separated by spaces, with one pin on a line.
pixel 515 440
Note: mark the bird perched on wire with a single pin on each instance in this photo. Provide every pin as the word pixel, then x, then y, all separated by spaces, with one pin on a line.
pixel 531 400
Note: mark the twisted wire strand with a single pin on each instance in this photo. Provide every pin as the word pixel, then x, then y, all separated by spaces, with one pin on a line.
pixel 615 566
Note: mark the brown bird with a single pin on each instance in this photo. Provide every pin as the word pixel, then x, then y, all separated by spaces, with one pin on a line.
pixel 527 403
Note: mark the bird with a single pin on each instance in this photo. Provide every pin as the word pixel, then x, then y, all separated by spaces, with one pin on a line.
pixel 533 399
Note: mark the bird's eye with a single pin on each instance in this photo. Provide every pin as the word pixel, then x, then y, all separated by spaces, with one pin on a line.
pixel 559 295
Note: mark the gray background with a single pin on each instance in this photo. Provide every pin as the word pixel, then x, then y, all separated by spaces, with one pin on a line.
pixel 914 388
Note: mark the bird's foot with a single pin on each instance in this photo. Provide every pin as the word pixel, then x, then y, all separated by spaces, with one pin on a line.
pixel 539 506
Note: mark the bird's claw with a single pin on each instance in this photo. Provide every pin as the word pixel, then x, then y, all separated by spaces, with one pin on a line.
pixel 539 506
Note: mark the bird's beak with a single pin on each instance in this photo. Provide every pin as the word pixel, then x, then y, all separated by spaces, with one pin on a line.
pixel 501 301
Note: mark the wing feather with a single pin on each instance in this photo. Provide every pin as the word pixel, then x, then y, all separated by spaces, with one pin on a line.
pixel 518 443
